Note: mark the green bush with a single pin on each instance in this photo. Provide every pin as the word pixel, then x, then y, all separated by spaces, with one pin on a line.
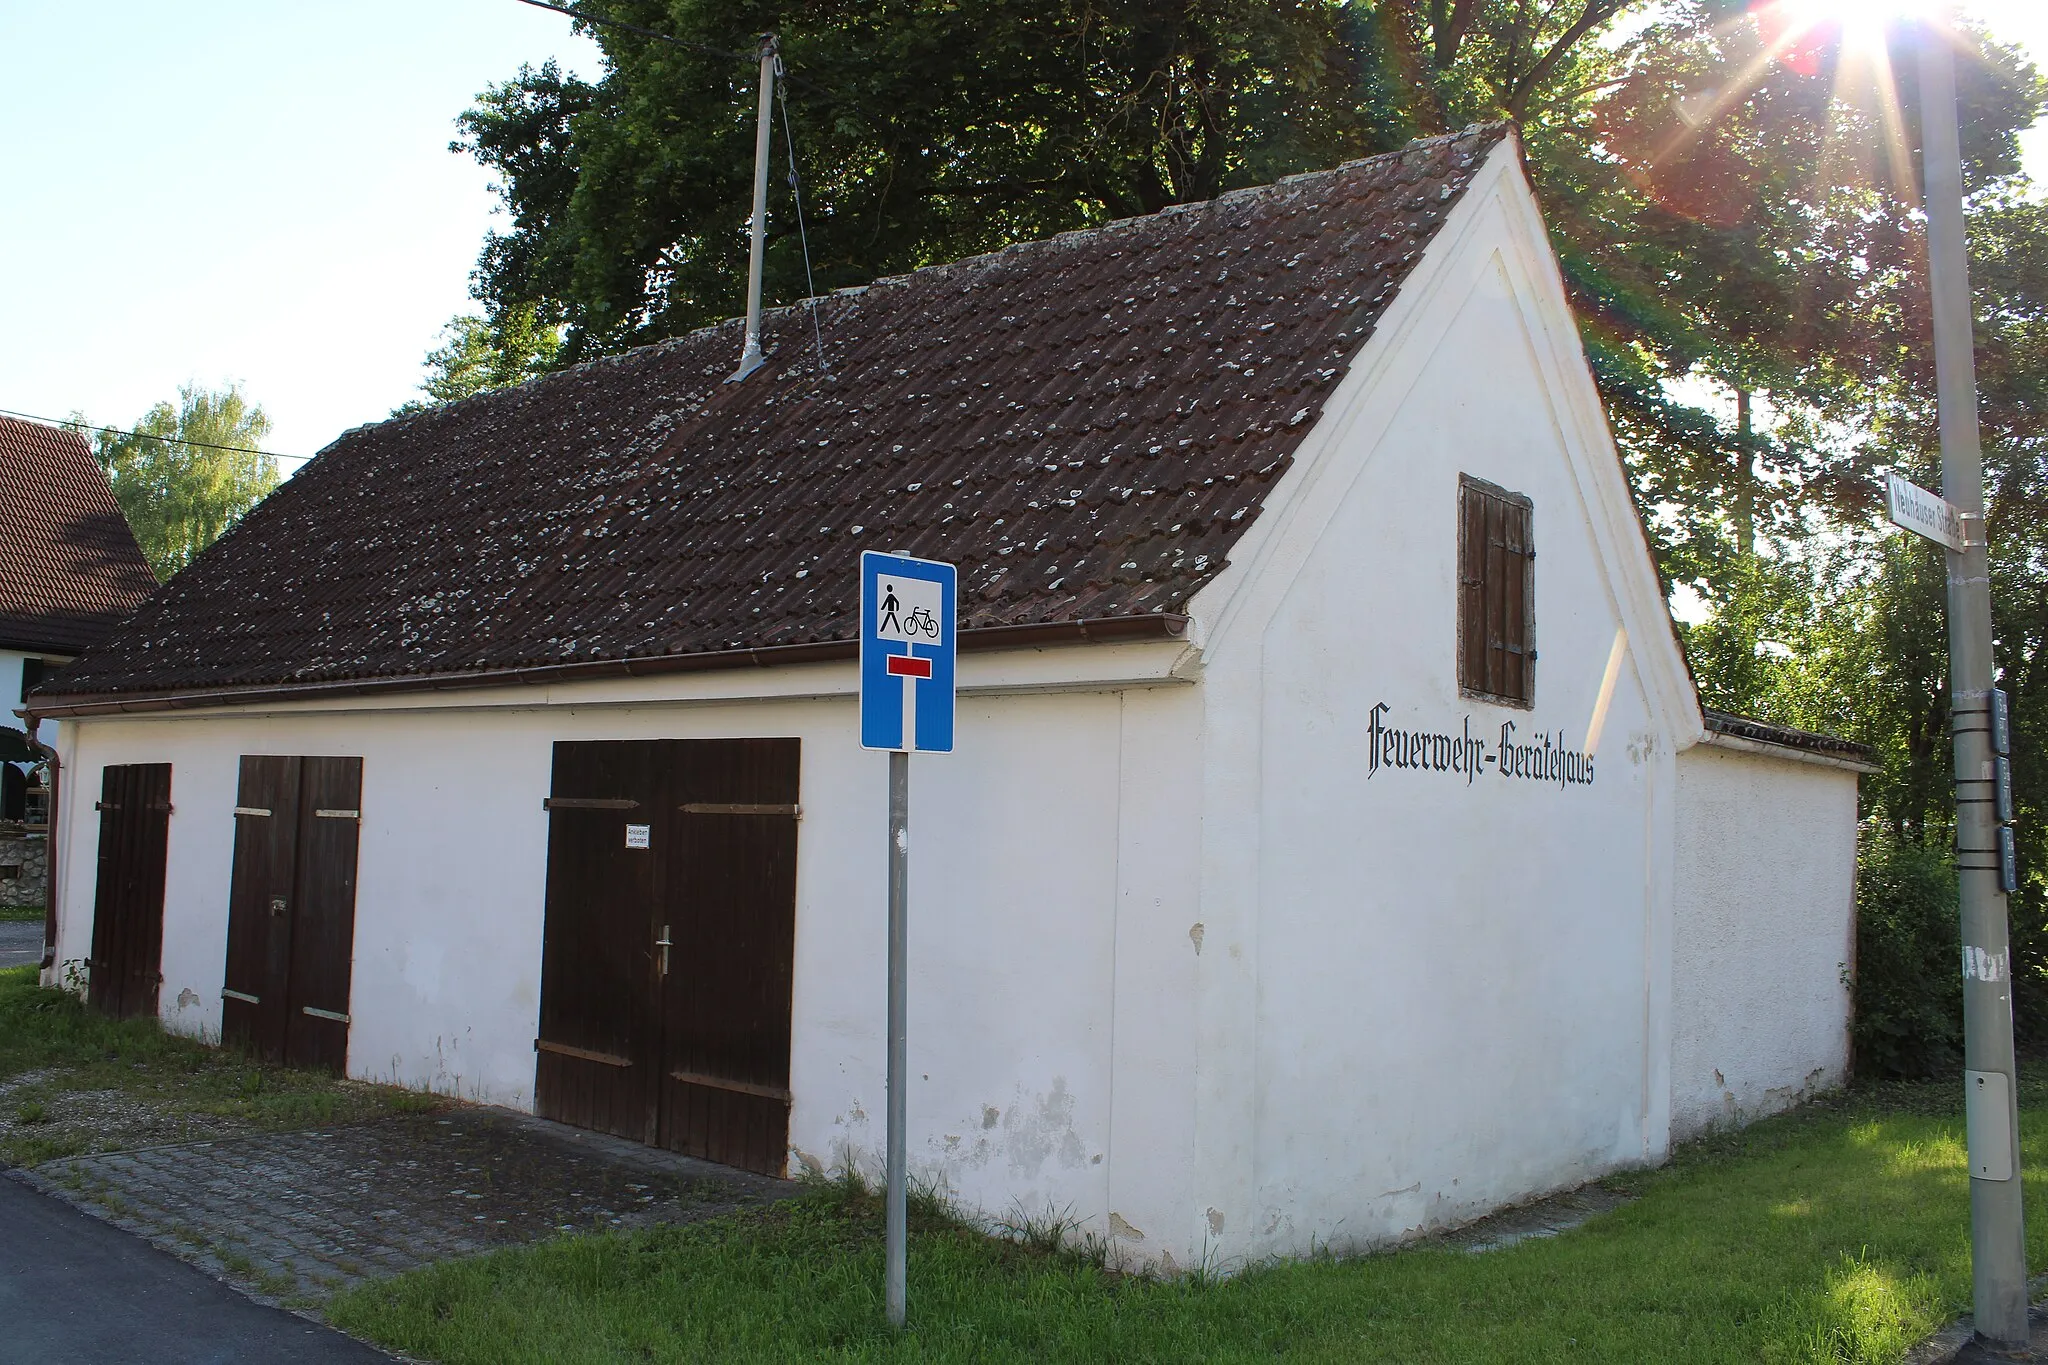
pixel 1909 984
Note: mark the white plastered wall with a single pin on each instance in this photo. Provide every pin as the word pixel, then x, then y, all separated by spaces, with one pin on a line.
pixel 1422 998
pixel 1765 928
pixel 1051 1001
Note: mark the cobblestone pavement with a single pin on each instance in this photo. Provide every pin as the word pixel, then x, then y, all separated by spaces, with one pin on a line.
pixel 20 944
pixel 292 1217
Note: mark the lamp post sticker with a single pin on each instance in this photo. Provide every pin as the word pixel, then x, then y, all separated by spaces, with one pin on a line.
pixel 906 653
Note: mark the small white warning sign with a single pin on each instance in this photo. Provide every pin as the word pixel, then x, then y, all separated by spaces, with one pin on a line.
pixel 636 836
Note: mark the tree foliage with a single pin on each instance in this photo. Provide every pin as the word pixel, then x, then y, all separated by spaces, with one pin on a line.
pixel 929 132
pixel 477 354
pixel 1842 629
pixel 188 472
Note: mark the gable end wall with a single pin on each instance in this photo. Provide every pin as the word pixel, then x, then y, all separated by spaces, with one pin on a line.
pixel 1424 995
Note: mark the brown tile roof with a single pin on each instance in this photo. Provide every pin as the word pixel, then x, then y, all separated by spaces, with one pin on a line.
pixel 69 566
pixel 1085 425
pixel 1784 736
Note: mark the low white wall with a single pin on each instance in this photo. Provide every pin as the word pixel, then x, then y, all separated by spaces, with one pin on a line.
pixel 1765 927
pixel 1051 890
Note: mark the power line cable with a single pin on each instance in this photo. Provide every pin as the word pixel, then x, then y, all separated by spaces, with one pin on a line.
pixel 802 233
pixel 149 435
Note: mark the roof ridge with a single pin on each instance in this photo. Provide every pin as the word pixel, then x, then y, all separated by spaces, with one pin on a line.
pixel 1071 237
pixel 1075 236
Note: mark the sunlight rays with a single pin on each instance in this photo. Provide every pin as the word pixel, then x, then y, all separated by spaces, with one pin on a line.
pixel 1802 35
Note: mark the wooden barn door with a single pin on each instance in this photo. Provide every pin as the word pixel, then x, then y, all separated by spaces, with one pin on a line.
pixel 128 901
pixel 292 908
pixel 596 1045
pixel 730 909
pixel 666 964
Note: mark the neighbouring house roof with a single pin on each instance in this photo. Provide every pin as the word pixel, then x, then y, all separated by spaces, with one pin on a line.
pixel 1785 737
pixel 1086 425
pixel 69 566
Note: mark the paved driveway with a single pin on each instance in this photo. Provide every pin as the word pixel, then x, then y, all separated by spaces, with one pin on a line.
pixel 20 944
pixel 292 1217
pixel 74 1291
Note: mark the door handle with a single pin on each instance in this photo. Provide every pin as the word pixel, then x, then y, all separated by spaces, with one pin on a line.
pixel 663 944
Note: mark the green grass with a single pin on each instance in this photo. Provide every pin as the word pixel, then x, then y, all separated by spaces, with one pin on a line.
pixel 21 914
pixel 1836 1234
pixel 77 1081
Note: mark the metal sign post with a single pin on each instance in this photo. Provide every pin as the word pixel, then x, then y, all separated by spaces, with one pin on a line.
pixel 907 609
pixel 1998 1258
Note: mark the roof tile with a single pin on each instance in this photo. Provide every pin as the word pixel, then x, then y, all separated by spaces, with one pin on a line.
pixel 69 565
pixel 1086 425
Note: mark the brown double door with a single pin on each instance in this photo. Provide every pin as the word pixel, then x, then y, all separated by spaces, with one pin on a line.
pixel 128 898
pixel 292 908
pixel 666 965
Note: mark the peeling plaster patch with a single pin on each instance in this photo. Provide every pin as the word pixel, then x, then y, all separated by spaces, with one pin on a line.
pixel 1039 1131
pixel 1979 965
pixel 989 1115
pixel 810 1164
pixel 1119 1228
pixel 187 998
pixel 1215 1220
pixel 1195 935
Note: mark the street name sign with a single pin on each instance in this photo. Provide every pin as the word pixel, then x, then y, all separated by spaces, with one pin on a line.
pixel 1923 513
pixel 907 675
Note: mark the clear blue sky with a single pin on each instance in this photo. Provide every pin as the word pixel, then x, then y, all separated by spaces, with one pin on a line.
pixel 225 190
pixel 253 190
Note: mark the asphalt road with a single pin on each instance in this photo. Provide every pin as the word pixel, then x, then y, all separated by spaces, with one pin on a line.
pixel 20 944
pixel 75 1291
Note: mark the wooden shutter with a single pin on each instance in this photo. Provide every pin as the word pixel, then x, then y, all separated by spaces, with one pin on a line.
pixel 323 934
pixel 128 902
pixel 292 908
pixel 1496 593
pixel 598 1045
pixel 255 999
pixel 729 898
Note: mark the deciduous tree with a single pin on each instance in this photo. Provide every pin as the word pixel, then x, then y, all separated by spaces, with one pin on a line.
pixel 188 472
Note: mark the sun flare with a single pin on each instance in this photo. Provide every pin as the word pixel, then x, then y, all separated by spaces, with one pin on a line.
pixel 1863 25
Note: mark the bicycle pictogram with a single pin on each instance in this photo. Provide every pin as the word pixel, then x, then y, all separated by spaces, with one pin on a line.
pixel 921 621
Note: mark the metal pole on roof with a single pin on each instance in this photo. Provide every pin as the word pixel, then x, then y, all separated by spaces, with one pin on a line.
pixel 1997 1234
pixel 896 1239
pixel 750 353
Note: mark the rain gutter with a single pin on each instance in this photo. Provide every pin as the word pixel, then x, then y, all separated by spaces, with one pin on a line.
pixel 1099 630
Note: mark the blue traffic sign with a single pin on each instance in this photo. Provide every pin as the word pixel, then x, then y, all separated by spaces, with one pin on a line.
pixel 906 653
